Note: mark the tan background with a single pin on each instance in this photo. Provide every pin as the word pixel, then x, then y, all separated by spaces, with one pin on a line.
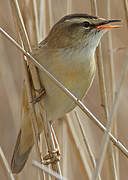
pixel 11 81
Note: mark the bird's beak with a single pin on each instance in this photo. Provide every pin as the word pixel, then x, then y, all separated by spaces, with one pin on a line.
pixel 106 24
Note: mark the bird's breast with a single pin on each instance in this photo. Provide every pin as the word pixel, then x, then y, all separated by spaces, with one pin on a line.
pixel 79 76
pixel 75 73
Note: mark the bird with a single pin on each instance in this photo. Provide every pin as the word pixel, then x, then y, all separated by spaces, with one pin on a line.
pixel 68 53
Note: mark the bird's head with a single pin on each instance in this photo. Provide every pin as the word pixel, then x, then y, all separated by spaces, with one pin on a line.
pixel 78 30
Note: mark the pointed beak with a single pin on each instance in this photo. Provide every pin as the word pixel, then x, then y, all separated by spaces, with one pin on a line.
pixel 106 24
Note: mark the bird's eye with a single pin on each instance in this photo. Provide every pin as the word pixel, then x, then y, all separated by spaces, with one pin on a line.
pixel 86 24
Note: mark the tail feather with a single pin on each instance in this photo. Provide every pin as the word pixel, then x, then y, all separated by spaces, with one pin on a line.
pixel 19 159
pixel 25 140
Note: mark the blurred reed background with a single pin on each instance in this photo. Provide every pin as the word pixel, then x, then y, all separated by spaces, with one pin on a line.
pixel 76 162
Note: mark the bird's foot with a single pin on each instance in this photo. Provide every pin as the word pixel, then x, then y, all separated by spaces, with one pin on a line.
pixel 51 157
pixel 38 98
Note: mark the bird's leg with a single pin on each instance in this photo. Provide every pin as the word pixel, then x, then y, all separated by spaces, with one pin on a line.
pixel 52 156
pixel 41 92
pixel 56 142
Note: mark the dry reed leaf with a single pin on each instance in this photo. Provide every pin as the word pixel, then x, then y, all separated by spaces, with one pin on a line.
pixel 72 167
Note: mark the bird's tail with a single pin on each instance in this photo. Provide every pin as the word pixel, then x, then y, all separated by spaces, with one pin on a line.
pixel 25 140
pixel 19 158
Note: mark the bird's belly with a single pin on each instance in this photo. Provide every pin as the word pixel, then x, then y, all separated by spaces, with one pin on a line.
pixel 78 81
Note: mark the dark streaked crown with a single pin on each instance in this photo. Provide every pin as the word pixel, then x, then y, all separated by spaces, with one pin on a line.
pixel 71 16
